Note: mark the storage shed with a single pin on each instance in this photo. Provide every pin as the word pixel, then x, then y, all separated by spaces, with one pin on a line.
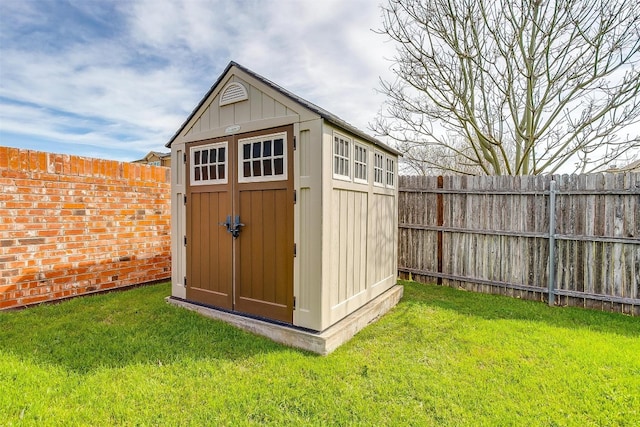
pixel 280 209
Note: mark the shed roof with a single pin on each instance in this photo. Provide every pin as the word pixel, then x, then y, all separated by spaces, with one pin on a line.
pixel 331 118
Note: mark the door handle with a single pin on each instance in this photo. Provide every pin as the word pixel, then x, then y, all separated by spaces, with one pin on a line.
pixel 227 224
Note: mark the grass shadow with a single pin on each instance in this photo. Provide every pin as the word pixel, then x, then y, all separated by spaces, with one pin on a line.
pixel 499 307
pixel 122 328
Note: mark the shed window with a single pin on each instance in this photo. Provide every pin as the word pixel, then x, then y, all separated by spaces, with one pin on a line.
pixel 378 168
pixel 263 158
pixel 391 172
pixel 341 156
pixel 209 164
pixel 360 163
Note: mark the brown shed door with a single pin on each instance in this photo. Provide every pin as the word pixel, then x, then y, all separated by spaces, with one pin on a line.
pixel 248 184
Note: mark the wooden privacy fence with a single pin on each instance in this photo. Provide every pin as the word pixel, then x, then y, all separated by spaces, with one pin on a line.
pixel 568 240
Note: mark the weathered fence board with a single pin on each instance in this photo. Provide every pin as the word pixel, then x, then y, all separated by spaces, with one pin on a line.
pixel 493 235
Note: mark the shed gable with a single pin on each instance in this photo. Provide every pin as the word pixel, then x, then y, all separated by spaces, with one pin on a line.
pixel 238 100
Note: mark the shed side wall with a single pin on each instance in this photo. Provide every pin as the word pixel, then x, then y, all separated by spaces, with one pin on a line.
pixel 359 234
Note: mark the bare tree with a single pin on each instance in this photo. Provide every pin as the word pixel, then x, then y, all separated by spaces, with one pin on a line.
pixel 513 87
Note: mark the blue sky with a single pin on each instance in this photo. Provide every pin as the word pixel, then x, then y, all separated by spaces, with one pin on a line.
pixel 115 79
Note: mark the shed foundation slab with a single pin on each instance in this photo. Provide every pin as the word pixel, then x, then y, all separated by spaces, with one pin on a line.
pixel 321 343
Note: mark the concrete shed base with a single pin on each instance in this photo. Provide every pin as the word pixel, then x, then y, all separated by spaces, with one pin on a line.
pixel 318 342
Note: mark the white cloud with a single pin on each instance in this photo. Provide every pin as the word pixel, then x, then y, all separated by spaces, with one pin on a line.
pixel 142 71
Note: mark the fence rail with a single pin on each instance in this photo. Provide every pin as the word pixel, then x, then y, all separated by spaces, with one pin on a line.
pixel 569 240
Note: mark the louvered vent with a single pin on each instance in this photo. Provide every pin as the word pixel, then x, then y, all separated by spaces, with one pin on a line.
pixel 233 92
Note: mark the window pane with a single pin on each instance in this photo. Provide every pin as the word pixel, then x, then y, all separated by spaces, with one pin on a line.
pixel 246 169
pixel 277 147
pixel 220 171
pixel 266 167
pixel 221 154
pixel 278 166
pixel 212 172
pixel 197 158
pixel 205 157
pixel 256 168
pixel 267 149
pixel 256 151
pixel 197 173
pixel 205 173
pixel 246 151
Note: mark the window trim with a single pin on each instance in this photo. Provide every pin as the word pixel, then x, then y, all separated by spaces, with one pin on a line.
pixel 364 163
pixel 382 169
pixel 192 165
pixel 393 173
pixel 264 178
pixel 348 159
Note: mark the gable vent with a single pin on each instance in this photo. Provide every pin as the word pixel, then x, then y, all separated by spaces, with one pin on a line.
pixel 233 92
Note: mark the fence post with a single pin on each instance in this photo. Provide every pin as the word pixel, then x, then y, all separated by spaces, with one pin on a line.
pixel 440 223
pixel 552 242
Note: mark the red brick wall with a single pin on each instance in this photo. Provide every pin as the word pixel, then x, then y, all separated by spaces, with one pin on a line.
pixel 73 225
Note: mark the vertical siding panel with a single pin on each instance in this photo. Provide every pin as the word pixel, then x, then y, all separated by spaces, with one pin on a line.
pixel 227 115
pixel 241 112
pixel 280 110
pixel 268 106
pixel 214 113
pixel 357 247
pixel 344 247
pixel 335 246
pixel 306 247
pixel 364 203
pixel 205 120
pixel 255 103
pixel 350 224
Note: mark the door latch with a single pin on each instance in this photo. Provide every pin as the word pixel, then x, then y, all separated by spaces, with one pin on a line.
pixel 235 231
pixel 233 227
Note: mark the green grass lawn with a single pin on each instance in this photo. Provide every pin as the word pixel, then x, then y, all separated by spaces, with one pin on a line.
pixel 441 357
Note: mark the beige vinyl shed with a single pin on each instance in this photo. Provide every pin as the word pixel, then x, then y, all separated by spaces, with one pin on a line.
pixel 280 210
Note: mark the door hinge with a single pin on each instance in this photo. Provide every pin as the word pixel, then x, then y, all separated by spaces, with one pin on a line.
pixel 185 199
pixel 184 157
pixel 294 143
pixel 185 240
pixel 294 302
pixel 185 281
pixel 295 197
pixel 295 250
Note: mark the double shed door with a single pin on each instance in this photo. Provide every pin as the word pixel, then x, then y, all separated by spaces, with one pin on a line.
pixel 240 223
